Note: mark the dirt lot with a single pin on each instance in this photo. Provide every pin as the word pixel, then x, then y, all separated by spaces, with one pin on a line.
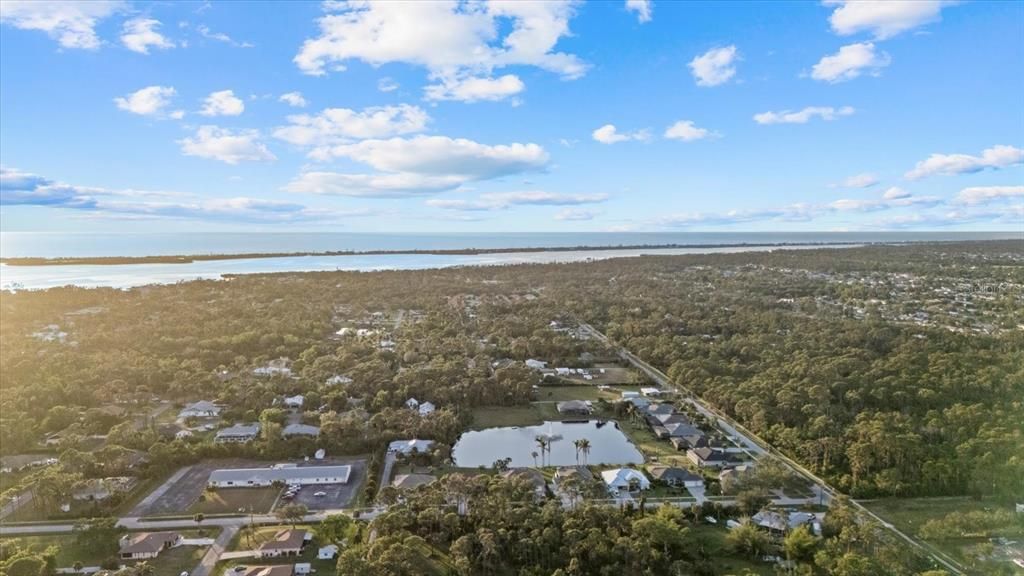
pixel 184 491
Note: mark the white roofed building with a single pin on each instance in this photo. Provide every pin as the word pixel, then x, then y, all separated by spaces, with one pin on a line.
pixel 287 474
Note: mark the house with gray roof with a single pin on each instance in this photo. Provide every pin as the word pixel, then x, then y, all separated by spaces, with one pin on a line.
pixel 300 430
pixel 238 433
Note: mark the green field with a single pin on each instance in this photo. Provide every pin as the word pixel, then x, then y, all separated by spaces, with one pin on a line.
pixel 716 547
pixel 170 563
pixel 495 416
pixel 231 500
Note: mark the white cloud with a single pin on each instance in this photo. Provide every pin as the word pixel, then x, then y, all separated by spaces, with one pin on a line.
pixel 608 134
pixel 454 41
pixel 503 200
pixel 294 99
pixel 475 89
pixel 984 194
pixel 686 131
pixel 883 18
pixel 418 165
pixel 149 101
pixel 716 66
pixel 226 145
pixel 642 8
pixel 370 185
pixel 140 34
pixel 440 155
pixel 71 23
pixel 387 84
pixel 205 32
pixel 222 103
pixel 850 62
pixel 802 116
pixel 24 189
pixel 999 156
pixel 864 180
pixel 895 193
pixel 334 126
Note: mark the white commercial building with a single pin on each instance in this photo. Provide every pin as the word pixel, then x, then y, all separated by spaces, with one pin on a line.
pixel 287 474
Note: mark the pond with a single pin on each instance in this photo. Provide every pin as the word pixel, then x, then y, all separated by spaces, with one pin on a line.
pixel 608 445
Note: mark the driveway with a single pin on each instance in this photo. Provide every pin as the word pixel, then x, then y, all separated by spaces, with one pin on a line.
pixel 212 556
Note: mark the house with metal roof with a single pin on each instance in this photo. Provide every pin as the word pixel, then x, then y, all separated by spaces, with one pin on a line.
pixel 238 433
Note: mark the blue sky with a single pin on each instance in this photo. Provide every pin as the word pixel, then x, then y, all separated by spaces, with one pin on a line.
pixel 490 116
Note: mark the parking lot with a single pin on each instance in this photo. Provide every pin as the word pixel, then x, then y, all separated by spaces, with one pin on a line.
pixel 182 491
pixel 335 495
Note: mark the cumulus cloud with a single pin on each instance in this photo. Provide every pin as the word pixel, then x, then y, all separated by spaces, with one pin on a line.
pixel 148 101
pixel 452 40
pixel 882 18
pixel 24 189
pixel 294 99
pixel 417 165
pixel 802 116
pixel 222 103
pixel 475 89
pixel 850 62
pixel 715 67
pixel 686 131
pixel 71 23
pixel 334 126
pixel 643 9
pixel 863 180
pixel 387 84
pixel 976 195
pixel 141 34
pixel 230 146
pixel 609 134
pixel 999 156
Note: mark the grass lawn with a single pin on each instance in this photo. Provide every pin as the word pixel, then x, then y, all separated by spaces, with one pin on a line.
pixel 170 563
pixel 722 558
pixel 653 448
pixel 495 416
pixel 562 393
pixel 909 514
pixel 226 500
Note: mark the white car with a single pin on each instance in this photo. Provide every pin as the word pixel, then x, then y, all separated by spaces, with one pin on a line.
pixel 320 494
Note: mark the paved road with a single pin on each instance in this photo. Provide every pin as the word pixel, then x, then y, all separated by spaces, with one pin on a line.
pixel 385 470
pixel 756 446
pixel 212 556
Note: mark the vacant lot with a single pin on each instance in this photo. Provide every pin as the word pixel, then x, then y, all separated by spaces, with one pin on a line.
pixel 228 500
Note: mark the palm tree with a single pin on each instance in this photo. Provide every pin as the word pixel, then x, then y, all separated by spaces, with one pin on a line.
pixel 543 443
pixel 143 569
pixel 534 454
pixel 576 443
pixel 584 447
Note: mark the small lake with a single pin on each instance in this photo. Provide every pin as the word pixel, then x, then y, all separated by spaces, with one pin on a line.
pixel 608 445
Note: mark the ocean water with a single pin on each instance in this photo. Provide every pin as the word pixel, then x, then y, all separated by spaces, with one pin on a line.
pixel 15 244
pixel 49 245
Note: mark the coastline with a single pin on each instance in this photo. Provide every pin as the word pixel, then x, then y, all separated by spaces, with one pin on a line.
pixel 192 258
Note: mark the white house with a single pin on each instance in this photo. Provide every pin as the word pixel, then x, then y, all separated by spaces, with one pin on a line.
pixel 279 366
pixel 143 545
pixel 295 401
pixel 303 568
pixel 410 446
pixel 650 392
pixel 183 434
pixel 284 543
pixel 627 394
pixel 336 380
pixel 286 474
pixel 201 409
pixel 624 480
pixel 412 403
pixel 536 364
pixel 329 552
pixel 426 409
